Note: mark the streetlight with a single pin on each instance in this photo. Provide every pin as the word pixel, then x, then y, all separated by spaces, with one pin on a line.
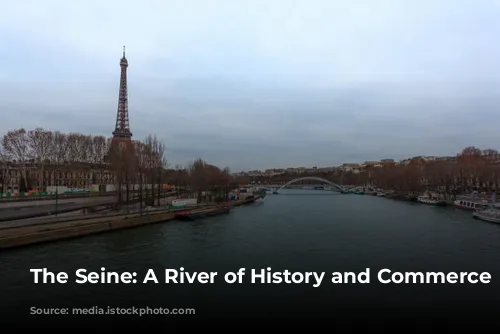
pixel 57 184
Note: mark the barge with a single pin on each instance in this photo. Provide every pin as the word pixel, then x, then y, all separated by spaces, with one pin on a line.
pixel 202 213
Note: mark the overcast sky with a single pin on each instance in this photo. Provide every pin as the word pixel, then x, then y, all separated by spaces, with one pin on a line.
pixel 260 84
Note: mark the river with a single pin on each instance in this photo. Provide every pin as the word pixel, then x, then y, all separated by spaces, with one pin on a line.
pixel 298 230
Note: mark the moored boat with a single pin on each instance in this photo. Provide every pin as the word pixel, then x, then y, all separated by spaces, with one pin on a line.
pixel 202 213
pixel 491 215
pixel 431 201
pixel 261 192
pixel 471 205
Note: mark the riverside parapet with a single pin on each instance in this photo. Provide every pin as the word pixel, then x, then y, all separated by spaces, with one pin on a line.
pixel 58 229
pixel 32 234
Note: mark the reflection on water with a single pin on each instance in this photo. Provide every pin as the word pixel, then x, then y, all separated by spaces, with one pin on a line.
pixel 296 230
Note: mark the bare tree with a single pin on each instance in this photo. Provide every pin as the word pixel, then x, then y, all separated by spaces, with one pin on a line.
pixel 4 170
pixel 124 164
pixel 142 165
pixel 198 177
pixel 41 142
pixel 16 146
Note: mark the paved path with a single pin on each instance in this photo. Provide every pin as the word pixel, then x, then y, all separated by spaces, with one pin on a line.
pixel 50 220
pixel 82 200
pixel 47 203
pixel 43 209
pixel 17 213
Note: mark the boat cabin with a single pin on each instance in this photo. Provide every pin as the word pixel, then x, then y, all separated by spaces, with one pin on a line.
pixel 471 205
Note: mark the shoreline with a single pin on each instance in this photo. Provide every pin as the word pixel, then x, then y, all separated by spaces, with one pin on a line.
pixel 70 228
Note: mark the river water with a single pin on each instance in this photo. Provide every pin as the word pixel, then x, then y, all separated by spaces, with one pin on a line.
pixel 298 230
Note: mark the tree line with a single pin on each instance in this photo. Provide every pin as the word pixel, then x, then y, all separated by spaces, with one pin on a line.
pixel 141 167
pixel 138 166
pixel 471 169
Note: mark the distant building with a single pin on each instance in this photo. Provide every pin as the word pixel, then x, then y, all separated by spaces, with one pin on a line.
pixel 274 171
pixel 355 168
pixel 254 173
pixel 326 169
pixel 17 177
pixel 448 158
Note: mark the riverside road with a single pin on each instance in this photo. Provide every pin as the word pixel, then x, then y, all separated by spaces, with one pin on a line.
pixel 298 231
pixel 52 202
pixel 17 210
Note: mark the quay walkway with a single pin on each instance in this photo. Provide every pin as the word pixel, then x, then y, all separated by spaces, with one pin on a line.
pixel 33 231
pixel 27 210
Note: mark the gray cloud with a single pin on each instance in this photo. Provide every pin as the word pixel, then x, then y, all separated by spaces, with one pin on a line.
pixel 259 84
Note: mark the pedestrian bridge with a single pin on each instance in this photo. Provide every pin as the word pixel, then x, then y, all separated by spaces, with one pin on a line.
pixel 312 178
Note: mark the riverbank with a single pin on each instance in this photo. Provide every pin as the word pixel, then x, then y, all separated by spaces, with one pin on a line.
pixel 58 229
pixel 296 230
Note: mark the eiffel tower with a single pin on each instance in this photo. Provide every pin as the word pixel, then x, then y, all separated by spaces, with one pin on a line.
pixel 122 128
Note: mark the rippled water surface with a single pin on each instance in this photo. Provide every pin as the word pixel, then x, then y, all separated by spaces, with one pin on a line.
pixel 297 230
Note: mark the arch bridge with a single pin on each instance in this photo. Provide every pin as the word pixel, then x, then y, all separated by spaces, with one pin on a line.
pixel 312 178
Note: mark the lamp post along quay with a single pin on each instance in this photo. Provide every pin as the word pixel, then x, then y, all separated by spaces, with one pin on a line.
pixel 57 185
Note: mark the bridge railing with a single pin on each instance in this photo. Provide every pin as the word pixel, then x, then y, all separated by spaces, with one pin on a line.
pixel 311 178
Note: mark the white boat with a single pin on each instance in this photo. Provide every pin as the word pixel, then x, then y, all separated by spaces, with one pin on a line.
pixel 472 205
pixel 491 215
pixel 430 201
pixel 381 194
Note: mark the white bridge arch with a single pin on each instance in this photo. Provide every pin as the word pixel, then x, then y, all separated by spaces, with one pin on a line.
pixel 311 178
